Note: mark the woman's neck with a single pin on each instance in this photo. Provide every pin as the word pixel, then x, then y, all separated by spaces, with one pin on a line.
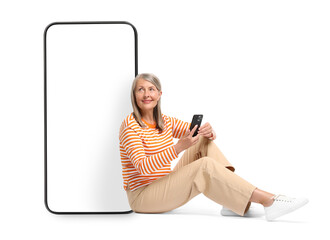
pixel 148 117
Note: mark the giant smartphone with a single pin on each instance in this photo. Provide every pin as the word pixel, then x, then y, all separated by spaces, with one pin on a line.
pixel 89 68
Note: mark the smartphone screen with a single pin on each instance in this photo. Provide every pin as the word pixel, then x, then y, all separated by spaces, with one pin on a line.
pixel 82 157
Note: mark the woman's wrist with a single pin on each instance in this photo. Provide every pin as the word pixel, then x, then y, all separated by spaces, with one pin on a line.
pixel 177 149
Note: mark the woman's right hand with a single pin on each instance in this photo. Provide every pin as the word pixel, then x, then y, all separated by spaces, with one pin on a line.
pixel 186 141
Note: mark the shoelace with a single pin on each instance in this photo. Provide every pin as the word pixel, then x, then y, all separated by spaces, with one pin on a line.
pixel 285 198
pixel 276 196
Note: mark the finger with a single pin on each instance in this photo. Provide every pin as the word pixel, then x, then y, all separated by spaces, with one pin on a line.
pixel 207 134
pixel 204 135
pixel 202 127
pixel 193 130
pixel 205 126
pixel 205 130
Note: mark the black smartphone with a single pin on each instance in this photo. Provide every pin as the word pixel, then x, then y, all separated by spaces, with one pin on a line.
pixel 196 120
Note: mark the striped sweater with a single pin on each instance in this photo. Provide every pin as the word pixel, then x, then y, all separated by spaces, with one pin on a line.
pixel 145 153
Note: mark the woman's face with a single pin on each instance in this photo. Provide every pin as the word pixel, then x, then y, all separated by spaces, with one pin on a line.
pixel 146 95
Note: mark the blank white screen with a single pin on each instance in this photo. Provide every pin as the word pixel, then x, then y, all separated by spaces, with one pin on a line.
pixel 90 68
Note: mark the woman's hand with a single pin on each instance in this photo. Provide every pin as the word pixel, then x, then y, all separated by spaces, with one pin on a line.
pixel 207 131
pixel 186 141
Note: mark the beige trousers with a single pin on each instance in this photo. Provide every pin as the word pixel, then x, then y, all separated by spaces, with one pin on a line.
pixel 202 169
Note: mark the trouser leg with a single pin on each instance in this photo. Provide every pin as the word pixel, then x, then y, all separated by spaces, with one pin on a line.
pixel 205 175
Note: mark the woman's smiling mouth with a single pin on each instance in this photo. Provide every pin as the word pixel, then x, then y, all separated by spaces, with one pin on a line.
pixel 146 101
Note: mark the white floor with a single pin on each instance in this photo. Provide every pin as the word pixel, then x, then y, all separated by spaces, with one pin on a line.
pixel 198 219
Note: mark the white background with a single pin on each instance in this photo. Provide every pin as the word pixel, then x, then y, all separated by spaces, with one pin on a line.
pixel 257 70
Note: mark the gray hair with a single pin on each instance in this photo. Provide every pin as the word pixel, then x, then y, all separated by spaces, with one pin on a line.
pixel 157 110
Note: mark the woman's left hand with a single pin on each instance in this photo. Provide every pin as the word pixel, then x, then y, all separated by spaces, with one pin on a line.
pixel 207 131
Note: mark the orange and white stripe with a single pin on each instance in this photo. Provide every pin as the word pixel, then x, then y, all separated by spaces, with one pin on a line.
pixel 145 153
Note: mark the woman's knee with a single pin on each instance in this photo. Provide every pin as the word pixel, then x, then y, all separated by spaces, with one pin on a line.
pixel 207 162
pixel 210 163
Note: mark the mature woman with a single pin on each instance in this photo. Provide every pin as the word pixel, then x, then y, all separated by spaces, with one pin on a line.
pixel 147 149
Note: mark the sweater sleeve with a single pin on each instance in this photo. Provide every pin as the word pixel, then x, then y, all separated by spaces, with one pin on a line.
pixel 179 127
pixel 145 165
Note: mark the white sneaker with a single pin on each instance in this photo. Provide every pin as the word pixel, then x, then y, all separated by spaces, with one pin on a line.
pixel 252 212
pixel 283 205
pixel 227 212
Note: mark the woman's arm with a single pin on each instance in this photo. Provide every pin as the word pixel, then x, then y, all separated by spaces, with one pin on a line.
pixel 133 146
pixel 186 141
pixel 180 127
